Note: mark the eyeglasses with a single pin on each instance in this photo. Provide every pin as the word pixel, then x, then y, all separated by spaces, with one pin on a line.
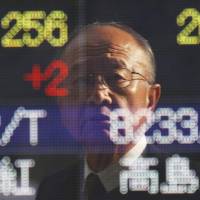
pixel 120 78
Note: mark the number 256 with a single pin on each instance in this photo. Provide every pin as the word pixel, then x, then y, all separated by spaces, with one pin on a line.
pixel 31 20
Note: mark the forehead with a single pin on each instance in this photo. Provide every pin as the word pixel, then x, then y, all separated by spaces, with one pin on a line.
pixel 106 46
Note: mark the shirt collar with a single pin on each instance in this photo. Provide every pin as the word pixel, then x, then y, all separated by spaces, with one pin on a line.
pixel 110 176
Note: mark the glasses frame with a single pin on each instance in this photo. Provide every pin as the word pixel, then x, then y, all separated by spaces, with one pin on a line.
pixel 106 85
pixel 132 72
pixel 144 78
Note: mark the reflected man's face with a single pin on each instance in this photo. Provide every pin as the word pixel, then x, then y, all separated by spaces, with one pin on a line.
pixel 101 61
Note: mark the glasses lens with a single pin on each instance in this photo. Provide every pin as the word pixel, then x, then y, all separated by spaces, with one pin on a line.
pixel 119 78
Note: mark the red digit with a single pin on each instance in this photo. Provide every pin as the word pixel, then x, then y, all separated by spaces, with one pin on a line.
pixel 53 89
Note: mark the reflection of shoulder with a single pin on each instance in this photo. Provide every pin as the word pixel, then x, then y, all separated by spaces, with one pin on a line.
pixel 61 185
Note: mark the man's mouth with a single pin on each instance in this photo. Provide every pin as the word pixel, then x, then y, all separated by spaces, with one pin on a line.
pixel 97 122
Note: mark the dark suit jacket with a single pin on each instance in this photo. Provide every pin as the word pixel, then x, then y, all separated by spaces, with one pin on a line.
pixel 67 184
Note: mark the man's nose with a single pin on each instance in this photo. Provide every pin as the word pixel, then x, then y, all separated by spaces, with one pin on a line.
pixel 100 93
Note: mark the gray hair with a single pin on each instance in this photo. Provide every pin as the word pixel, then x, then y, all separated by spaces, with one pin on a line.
pixel 144 44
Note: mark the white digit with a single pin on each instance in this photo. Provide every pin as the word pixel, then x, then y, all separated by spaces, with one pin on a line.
pixel 169 124
pixel 188 124
pixel 117 124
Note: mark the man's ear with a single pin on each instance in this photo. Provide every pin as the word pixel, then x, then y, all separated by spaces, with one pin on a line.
pixel 154 96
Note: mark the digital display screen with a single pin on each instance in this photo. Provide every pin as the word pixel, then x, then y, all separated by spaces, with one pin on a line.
pixel 108 88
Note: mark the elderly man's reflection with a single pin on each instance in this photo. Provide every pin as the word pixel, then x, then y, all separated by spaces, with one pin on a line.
pixel 111 66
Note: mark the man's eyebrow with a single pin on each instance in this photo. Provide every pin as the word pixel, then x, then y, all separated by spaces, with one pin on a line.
pixel 116 63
